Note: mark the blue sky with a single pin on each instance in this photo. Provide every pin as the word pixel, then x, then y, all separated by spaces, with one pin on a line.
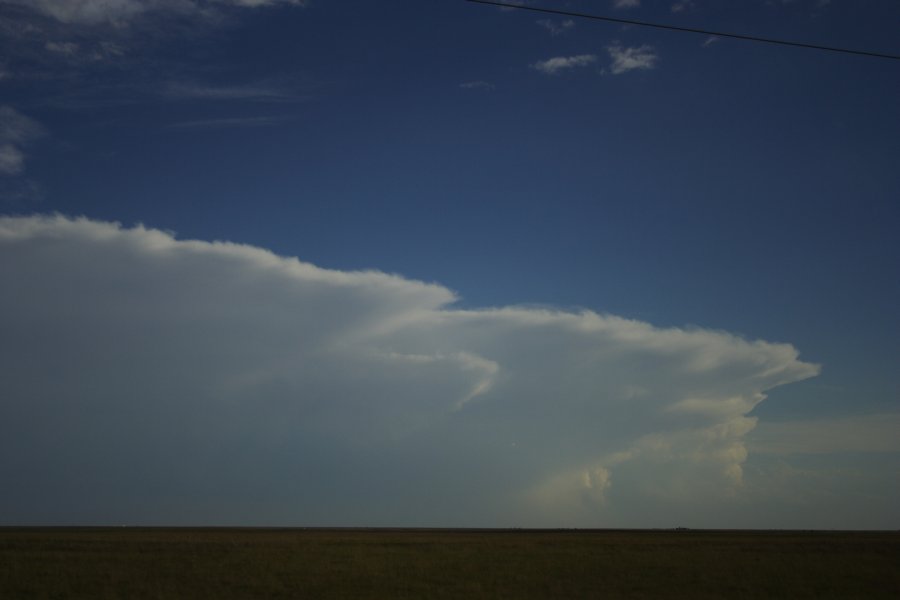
pixel 530 169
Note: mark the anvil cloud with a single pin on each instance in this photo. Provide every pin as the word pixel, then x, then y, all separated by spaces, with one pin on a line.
pixel 148 379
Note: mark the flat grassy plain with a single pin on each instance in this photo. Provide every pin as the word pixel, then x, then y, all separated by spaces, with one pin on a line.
pixel 222 563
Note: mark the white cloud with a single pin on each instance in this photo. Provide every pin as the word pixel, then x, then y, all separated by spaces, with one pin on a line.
pixel 682 5
pixel 514 3
pixel 12 160
pixel 552 66
pixel 626 59
pixel 231 122
pixel 626 3
pixel 477 85
pixel 120 12
pixel 151 379
pixel 89 11
pixel 557 27
pixel 75 53
pixel 64 48
pixel 254 91
pixel 16 132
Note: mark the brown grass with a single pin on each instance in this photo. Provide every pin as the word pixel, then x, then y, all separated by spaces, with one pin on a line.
pixel 319 563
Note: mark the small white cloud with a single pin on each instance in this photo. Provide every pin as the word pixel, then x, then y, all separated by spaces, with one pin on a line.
pixel 12 160
pixel 626 59
pixel 16 132
pixel 552 66
pixel 710 41
pixel 254 91
pixel 682 5
pixel 230 122
pixel 515 3
pixel 477 85
pixel 626 3
pixel 106 49
pixel 68 49
pixel 557 27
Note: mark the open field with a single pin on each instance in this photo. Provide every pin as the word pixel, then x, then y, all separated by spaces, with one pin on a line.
pixel 379 563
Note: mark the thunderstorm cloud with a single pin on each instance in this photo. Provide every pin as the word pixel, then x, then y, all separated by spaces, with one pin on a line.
pixel 149 379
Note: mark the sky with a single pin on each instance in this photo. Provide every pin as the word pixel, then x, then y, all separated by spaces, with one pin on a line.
pixel 396 263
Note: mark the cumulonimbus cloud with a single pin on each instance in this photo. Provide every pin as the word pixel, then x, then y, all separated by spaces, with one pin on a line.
pixel 148 379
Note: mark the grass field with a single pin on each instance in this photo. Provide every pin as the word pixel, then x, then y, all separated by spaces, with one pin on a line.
pixel 336 563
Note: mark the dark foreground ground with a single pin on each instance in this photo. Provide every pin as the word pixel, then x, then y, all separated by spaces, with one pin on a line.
pixel 379 563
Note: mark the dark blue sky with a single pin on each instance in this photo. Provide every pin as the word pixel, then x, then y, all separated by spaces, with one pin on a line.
pixel 665 177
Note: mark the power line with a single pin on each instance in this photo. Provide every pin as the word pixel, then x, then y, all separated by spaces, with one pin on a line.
pixel 738 36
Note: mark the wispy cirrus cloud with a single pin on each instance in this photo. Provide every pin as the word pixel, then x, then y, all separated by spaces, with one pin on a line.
pixel 17 131
pixel 67 49
pixel 625 58
pixel 557 27
pixel 231 122
pixel 515 3
pixel 626 3
pixel 682 5
pixel 43 37
pixel 123 12
pixel 477 85
pixel 555 65
pixel 80 53
pixel 250 91
pixel 331 394
pixel 91 53
pixel 90 11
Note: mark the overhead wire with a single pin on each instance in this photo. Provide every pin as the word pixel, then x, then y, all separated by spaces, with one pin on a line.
pixel 738 36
